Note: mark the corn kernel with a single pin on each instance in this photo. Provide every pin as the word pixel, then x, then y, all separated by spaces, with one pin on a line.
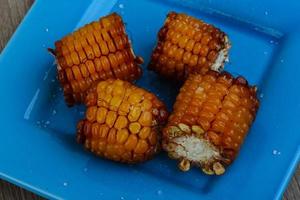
pixel 152 138
pixel 115 103
pixel 112 136
pixel 121 122
pixel 146 118
pixel 124 107
pixel 187 45
pixel 110 118
pixel 145 132
pixel 103 131
pixel 122 136
pixel 134 127
pixel 101 115
pixel 92 53
pixel 134 114
pixel 146 104
pixel 91 113
pixel 116 129
pixel 209 107
pixel 131 142
pixel 135 98
pixel 141 147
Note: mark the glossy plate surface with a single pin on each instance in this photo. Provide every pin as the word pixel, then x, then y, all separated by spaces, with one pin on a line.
pixel 37 147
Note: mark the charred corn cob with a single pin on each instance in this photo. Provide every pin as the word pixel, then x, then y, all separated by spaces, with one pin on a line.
pixel 122 122
pixel 212 115
pixel 188 45
pixel 97 51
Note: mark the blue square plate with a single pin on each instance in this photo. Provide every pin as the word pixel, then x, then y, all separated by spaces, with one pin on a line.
pixel 37 147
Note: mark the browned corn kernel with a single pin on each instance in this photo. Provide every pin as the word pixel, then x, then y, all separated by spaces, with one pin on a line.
pixel 188 45
pixel 122 122
pixel 97 51
pixel 211 117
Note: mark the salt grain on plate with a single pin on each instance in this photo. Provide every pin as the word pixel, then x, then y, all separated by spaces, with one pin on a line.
pixel 53 112
pixel 47 30
pixel 65 184
pixel 261 95
pixel 121 6
pixel 159 192
pixel 276 152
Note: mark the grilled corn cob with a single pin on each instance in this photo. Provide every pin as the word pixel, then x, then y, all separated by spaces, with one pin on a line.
pixel 122 122
pixel 188 45
pixel 212 115
pixel 97 51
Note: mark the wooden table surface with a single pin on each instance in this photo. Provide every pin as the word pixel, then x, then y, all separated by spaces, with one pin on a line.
pixel 11 14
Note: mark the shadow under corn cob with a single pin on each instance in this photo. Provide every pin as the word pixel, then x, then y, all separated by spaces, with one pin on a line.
pixel 211 117
pixel 187 45
pixel 122 123
pixel 97 51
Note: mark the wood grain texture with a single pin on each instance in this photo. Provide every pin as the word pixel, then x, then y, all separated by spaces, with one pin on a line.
pixel 9 191
pixel 11 14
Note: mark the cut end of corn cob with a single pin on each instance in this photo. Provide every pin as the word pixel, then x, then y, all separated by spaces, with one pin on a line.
pixel 211 117
pixel 188 45
pixel 122 122
pixel 97 51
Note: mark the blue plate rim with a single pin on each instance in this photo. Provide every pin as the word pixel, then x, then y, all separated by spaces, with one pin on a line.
pixel 35 189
